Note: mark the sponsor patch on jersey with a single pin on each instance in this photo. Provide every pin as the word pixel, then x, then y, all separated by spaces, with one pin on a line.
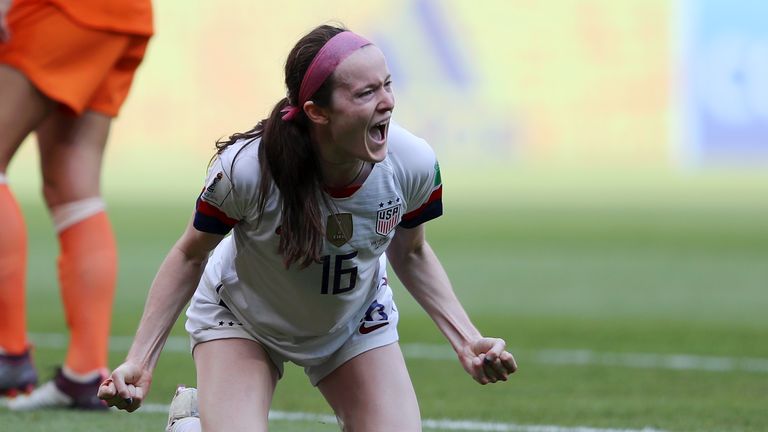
pixel 387 218
pixel 216 192
pixel 339 228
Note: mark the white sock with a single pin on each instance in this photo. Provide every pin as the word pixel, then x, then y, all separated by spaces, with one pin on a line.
pixel 3 178
pixel 187 424
pixel 66 215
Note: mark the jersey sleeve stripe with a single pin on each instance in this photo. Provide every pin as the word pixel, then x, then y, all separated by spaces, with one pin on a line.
pixel 212 220
pixel 210 225
pixel 429 210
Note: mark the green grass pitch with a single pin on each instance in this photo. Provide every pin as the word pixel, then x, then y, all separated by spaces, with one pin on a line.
pixel 618 283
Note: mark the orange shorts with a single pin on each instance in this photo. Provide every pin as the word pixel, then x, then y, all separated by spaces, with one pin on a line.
pixel 79 67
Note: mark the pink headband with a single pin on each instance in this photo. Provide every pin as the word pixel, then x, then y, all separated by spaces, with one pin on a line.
pixel 325 62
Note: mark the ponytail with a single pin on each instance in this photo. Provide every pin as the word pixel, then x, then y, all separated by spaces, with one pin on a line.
pixel 287 158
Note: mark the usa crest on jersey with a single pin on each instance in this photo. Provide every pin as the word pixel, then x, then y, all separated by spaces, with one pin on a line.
pixel 387 218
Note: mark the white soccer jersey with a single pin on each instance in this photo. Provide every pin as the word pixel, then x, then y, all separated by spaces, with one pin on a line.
pixel 306 314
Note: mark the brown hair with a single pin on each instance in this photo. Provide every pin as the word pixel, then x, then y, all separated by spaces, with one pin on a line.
pixel 287 157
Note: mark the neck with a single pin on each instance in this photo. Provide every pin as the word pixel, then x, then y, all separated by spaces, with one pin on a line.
pixel 341 175
pixel 337 172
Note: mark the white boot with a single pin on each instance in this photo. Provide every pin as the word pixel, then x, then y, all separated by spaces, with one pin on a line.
pixel 183 415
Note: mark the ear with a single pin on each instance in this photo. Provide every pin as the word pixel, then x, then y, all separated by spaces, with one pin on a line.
pixel 316 113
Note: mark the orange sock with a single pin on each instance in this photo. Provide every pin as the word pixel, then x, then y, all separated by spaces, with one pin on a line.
pixel 13 268
pixel 88 275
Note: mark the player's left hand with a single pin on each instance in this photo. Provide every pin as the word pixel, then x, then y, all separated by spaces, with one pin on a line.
pixel 487 360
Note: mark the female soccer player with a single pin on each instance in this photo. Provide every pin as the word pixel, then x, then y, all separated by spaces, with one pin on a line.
pixel 65 70
pixel 317 197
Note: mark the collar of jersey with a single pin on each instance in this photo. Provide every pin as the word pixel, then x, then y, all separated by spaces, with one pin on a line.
pixel 342 192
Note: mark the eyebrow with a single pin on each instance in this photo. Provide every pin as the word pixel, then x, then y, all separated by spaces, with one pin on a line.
pixel 367 85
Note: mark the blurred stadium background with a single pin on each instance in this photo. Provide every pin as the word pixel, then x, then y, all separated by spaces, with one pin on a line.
pixel 566 90
pixel 585 91
pixel 606 189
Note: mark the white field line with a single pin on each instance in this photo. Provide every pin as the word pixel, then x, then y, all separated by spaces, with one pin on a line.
pixel 453 425
pixel 549 356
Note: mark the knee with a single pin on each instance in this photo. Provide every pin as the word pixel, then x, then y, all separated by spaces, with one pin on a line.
pixel 208 424
pixel 63 184
pixel 400 423
pixel 53 194
pixel 62 193
pixel 57 192
pixel 368 428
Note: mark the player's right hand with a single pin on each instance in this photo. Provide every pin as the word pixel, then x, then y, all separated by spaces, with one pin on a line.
pixel 487 360
pixel 126 387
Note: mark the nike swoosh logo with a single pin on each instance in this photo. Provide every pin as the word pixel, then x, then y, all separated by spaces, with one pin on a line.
pixel 366 330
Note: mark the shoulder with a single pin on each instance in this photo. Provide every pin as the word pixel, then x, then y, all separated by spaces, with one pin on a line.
pixel 232 183
pixel 234 172
pixel 417 173
pixel 240 157
pixel 408 152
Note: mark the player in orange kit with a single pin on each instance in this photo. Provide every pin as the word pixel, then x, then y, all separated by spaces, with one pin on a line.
pixel 65 70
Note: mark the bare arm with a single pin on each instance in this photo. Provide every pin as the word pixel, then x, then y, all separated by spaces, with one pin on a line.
pixel 174 284
pixel 419 269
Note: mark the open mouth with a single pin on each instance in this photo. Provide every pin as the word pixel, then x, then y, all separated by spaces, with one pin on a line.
pixel 378 132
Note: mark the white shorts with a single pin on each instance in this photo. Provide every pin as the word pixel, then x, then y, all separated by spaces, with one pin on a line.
pixel 210 319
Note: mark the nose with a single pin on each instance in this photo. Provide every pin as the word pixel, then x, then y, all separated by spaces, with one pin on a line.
pixel 387 102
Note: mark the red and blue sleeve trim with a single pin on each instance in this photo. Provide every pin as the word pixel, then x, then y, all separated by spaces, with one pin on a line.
pixel 431 209
pixel 211 219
